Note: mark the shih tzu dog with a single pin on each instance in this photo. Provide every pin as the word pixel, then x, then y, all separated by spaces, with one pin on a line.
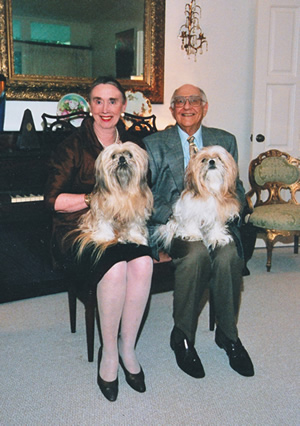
pixel 207 203
pixel 121 201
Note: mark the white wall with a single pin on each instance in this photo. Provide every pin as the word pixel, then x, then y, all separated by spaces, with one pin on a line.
pixel 225 72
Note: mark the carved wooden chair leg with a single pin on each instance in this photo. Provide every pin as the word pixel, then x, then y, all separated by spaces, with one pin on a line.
pixel 90 324
pixel 296 244
pixel 72 309
pixel 270 244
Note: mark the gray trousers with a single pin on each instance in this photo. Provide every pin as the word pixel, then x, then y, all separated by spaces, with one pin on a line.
pixel 195 270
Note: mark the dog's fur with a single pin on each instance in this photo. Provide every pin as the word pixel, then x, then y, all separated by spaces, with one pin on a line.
pixel 121 201
pixel 207 203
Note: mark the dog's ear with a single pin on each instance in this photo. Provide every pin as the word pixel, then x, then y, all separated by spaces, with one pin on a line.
pixel 231 171
pixel 144 181
pixel 190 179
pixel 101 184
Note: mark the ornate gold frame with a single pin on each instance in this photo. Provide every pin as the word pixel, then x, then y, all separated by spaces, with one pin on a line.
pixel 32 87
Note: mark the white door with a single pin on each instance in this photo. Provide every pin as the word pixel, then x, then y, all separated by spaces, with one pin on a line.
pixel 276 101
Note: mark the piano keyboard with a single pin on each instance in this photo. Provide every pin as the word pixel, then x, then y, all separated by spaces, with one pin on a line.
pixel 26 198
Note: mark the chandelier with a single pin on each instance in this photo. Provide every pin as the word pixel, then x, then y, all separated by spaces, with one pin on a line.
pixel 191 34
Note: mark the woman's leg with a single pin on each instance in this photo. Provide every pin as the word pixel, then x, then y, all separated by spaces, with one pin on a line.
pixel 139 273
pixel 111 292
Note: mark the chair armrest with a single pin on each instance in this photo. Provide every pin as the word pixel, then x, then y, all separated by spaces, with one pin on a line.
pixel 249 204
pixel 248 209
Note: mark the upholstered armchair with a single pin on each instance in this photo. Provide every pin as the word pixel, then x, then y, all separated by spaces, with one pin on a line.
pixel 274 209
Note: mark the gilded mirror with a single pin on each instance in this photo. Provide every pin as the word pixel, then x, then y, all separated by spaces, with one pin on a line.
pixel 135 55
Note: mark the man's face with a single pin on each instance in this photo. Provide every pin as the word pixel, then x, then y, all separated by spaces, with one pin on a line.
pixel 187 116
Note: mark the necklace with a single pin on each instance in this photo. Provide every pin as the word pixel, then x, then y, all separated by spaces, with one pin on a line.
pixel 117 139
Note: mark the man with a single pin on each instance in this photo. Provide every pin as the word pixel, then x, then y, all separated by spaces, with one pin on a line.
pixel 195 267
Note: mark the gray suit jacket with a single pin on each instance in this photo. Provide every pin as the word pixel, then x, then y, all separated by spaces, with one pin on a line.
pixel 167 167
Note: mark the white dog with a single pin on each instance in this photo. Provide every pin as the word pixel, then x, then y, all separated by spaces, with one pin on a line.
pixel 121 201
pixel 207 203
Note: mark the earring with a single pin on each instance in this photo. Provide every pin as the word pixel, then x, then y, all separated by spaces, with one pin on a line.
pixel 91 114
pixel 122 114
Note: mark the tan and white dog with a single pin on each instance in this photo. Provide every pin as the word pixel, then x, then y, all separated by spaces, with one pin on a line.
pixel 207 202
pixel 121 202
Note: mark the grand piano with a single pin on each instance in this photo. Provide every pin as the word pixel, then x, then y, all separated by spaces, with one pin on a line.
pixel 26 269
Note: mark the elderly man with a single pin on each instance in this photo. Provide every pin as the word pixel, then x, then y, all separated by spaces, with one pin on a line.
pixel 196 268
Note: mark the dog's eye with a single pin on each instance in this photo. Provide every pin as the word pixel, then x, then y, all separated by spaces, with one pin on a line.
pixel 113 156
pixel 128 154
pixel 204 160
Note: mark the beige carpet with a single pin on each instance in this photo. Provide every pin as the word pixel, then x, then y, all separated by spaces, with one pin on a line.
pixel 46 379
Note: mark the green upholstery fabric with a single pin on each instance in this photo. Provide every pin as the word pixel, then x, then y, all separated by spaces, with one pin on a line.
pixel 275 169
pixel 277 216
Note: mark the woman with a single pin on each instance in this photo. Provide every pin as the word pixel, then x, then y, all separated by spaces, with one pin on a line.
pixel 123 274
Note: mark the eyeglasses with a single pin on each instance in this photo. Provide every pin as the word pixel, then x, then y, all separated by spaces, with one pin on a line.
pixel 194 101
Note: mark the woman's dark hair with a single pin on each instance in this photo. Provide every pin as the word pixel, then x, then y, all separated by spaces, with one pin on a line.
pixel 107 80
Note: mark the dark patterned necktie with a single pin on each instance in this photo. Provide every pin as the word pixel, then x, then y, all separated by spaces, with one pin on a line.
pixel 193 146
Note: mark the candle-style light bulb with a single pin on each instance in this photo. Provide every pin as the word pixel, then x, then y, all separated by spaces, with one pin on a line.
pixel 2 83
pixel 2 100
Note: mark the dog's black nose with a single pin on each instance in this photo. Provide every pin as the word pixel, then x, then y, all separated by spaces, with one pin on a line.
pixel 122 160
pixel 211 163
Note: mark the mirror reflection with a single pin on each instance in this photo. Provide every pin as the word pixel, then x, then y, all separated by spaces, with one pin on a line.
pixel 81 38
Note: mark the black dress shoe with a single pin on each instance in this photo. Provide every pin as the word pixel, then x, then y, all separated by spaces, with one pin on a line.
pixel 187 357
pixel 239 358
pixel 109 389
pixel 136 381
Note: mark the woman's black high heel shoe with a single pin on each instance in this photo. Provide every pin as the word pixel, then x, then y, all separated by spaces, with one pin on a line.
pixel 109 389
pixel 136 381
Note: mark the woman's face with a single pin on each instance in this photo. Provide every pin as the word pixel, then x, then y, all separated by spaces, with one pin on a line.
pixel 106 105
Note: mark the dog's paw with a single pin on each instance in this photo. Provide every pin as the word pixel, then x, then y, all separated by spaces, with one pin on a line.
pixel 164 234
pixel 195 237
pixel 135 234
pixel 218 238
